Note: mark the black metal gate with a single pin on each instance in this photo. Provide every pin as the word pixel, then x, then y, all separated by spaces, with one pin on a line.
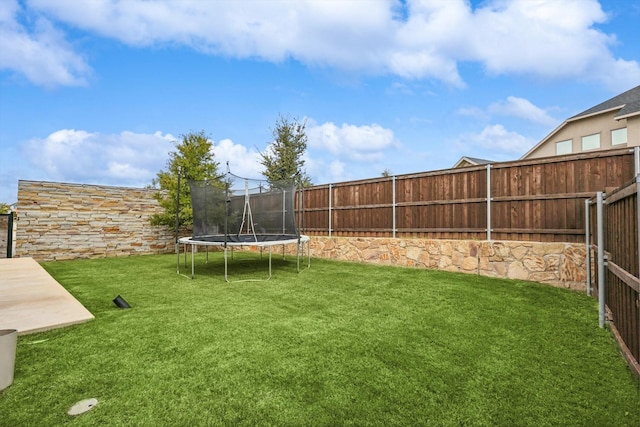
pixel 6 235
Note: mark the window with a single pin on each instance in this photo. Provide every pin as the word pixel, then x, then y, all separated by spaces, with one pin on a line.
pixel 619 136
pixel 563 147
pixel 591 142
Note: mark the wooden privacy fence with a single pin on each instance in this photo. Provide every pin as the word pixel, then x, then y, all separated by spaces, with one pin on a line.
pixel 532 200
pixel 614 235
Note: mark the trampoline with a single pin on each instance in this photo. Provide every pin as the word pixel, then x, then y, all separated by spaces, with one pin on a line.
pixel 234 212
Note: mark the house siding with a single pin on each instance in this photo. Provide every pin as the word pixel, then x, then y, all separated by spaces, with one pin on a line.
pixel 601 124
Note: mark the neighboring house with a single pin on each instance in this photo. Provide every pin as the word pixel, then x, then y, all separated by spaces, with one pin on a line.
pixel 612 124
pixel 470 161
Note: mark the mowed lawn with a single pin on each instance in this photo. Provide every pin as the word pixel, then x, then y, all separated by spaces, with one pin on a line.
pixel 338 344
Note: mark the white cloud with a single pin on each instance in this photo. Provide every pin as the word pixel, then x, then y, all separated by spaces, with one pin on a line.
pixel 337 170
pixel 497 140
pixel 128 158
pixel 554 39
pixel 513 106
pixel 474 112
pixel 400 88
pixel 329 147
pixel 324 170
pixel 428 43
pixel 524 109
pixel 361 143
pixel 133 159
pixel 242 162
pixel 40 53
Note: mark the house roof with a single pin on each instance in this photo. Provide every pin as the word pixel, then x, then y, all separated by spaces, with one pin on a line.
pixel 472 160
pixel 628 104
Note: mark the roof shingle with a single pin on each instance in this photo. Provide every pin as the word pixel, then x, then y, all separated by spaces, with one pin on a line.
pixel 629 101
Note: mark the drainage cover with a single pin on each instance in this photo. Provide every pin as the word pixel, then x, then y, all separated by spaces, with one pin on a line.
pixel 82 406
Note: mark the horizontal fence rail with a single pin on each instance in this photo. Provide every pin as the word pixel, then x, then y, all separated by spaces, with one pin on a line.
pixel 531 200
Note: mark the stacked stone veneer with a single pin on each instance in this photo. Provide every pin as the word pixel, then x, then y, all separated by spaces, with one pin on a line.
pixel 557 264
pixel 67 221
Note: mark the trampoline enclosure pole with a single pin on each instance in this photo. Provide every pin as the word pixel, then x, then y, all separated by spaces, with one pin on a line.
pixel 178 223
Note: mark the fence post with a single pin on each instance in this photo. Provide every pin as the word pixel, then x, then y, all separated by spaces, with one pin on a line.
pixel 489 201
pixel 638 219
pixel 587 235
pixel 330 192
pixel 601 278
pixel 636 160
pixel 394 206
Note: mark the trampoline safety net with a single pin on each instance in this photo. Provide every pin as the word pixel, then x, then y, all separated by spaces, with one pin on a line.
pixel 243 210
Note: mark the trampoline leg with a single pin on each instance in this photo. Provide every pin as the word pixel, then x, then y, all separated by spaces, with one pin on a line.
pixel 178 260
pixel 192 260
pixel 184 247
pixel 226 277
pixel 207 259
pixel 308 253
pixel 269 278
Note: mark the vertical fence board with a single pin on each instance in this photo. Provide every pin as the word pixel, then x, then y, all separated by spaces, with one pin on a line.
pixel 621 245
pixel 538 200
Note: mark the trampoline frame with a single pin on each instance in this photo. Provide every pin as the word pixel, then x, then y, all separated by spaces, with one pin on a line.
pixel 223 242
pixel 241 237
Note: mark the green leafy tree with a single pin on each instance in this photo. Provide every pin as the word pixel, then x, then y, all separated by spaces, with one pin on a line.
pixel 386 173
pixel 4 208
pixel 194 160
pixel 283 157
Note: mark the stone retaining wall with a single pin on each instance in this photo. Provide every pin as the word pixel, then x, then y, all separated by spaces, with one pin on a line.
pixel 67 221
pixel 556 264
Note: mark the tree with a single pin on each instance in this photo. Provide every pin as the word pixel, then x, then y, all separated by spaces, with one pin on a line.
pixel 194 160
pixel 386 173
pixel 282 159
pixel 4 208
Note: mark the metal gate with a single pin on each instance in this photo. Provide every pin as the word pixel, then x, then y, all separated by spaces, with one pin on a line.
pixel 6 235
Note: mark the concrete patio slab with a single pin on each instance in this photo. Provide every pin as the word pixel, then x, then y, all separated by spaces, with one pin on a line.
pixel 32 301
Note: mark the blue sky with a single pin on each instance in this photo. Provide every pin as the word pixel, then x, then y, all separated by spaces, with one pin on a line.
pixel 99 93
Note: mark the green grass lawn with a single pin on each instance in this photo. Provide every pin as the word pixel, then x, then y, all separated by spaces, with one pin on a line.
pixel 339 344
